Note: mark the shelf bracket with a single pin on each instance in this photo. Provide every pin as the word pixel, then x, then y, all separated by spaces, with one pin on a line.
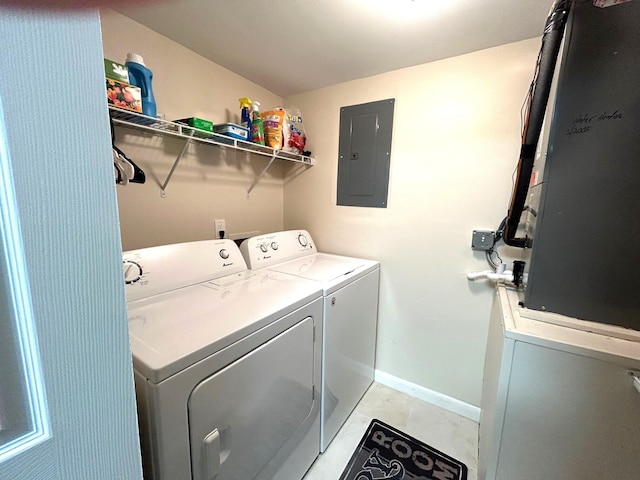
pixel 175 164
pixel 258 177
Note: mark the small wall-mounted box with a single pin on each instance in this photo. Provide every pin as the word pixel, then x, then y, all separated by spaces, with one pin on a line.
pixel 483 239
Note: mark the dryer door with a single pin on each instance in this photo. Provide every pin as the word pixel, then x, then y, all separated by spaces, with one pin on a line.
pixel 246 420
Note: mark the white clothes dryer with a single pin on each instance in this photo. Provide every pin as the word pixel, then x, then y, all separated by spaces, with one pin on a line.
pixel 350 315
pixel 226 364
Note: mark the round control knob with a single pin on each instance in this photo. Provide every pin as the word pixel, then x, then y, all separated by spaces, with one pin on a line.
pixel 303 240
pixel 274 245
pixel 132 271
pixel 264 247
pixel 224 253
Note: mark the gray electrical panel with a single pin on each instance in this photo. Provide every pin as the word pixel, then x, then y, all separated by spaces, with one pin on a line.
pixel 585 261
pixel 364 154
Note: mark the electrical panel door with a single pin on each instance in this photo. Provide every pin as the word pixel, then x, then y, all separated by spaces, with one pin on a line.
pixel 365 154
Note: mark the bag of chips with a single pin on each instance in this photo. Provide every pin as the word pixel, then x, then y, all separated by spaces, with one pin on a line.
pixel 294 137
pixel 273 121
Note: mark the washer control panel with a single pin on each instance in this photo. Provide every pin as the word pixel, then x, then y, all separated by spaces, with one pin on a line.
pixel 155 270
pixel 269 249
pixel 132 271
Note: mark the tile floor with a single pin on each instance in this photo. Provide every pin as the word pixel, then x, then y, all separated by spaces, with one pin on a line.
pixel 445 431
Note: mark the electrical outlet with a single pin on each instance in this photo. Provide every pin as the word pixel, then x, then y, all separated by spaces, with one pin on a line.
pixel 483 239
pixel 221 226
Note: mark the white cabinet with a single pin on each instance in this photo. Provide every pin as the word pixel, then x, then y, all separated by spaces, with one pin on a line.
pixel 557 403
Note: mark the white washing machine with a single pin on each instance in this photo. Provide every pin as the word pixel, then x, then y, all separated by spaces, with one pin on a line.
pixel 350 314
pixel 226 364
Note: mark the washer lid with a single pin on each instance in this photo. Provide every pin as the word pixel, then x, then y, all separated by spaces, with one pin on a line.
pixel 331 271
pixel 319 267
pixel 172 331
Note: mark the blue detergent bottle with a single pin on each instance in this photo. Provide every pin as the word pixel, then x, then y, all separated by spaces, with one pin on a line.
pixel 141 76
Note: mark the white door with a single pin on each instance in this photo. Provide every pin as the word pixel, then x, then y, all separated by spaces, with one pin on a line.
pixel 58 190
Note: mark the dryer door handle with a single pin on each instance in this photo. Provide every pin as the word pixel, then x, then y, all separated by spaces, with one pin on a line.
pixel 211 446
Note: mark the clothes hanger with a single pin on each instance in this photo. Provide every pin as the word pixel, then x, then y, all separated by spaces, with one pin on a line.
pixel 125 169
pixel 125 166
pixel 138 175
pixel 119 157
pixel 117 176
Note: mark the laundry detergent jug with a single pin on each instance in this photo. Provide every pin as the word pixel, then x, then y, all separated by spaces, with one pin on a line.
pixel 141 76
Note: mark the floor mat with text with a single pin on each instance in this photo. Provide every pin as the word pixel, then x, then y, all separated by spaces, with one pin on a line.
pixel 386 453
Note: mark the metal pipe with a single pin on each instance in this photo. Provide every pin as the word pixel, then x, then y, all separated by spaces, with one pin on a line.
pixel 551 40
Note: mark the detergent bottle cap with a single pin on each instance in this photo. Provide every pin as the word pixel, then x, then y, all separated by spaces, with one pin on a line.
pixel 245 102
pixel 256 105
pixel 135 58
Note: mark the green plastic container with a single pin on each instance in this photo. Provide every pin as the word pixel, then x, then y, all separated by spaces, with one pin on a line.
pixel 198 123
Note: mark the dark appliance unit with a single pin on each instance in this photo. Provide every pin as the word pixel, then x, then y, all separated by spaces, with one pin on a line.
pixel 585 231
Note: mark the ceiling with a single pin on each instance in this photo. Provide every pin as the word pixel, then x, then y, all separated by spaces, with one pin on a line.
pixel 293 46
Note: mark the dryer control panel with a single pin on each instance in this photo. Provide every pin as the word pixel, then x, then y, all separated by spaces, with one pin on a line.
pixel 271 248
pixel 155 270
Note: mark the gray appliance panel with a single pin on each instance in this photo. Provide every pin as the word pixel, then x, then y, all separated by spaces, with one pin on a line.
pixel 365 154
pixel 584 259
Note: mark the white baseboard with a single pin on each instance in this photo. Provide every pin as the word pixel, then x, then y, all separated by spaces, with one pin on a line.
pixel 438 399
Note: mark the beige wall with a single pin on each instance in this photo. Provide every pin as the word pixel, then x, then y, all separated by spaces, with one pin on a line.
pixel 456 141
pixel 208 183
pixel 456 138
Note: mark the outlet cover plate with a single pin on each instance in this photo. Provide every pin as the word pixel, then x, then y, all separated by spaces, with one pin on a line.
pixel 220 226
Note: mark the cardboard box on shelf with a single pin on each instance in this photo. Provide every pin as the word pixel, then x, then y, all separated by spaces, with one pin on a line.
pixel 123 95
pixel 198 123
pixel 232 130
pixel 116 71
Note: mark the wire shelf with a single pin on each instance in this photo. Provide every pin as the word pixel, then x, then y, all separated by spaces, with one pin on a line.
pixel 156 126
